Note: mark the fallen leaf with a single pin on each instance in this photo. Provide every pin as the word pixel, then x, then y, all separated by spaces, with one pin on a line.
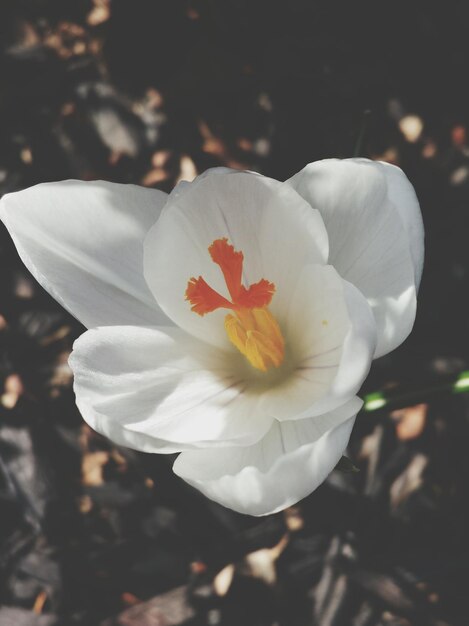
pixel 92 468
pixel 293 519
pixel 411 421
pixel 13 390
pixel 409 481
pixel 223 580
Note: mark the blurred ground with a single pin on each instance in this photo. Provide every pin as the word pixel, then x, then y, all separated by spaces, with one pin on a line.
pixel 147 91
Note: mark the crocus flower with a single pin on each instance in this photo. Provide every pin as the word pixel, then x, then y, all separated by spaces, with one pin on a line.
pixel 234 320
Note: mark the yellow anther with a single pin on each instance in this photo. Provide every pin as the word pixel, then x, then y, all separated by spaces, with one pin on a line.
pixel 257 335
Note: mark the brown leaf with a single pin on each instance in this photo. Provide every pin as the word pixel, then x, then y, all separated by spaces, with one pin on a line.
pixel 223 580
pixel 100 13
pixel 411 421
pixel 409 481
pixel 13 390
pixel 92 468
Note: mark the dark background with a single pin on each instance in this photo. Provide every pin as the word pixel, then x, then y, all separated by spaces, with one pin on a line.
pixel 147 91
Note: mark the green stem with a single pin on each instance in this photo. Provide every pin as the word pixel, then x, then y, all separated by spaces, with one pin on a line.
pixel 380 400
pixel 361 135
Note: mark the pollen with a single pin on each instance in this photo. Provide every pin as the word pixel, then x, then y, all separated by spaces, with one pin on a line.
pixel 250 325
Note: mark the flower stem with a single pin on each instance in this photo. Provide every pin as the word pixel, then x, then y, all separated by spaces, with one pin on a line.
pixel 361 135
pixel 381 400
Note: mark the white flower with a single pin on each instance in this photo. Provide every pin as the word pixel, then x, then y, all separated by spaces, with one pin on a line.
pixel 233 320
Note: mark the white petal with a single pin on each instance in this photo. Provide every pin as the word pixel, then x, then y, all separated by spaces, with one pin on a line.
pixel 331 334
pixel 83 242
pixel 184 185
pixel 402 196
pixel 160 390
pixel 373 223
pixel 281 469
pixel 268 221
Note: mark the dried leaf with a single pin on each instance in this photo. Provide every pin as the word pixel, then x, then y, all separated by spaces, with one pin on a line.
pixel 92 468
pixel 409 481
pixel 223 580
pixel 411 421
pixel 13 390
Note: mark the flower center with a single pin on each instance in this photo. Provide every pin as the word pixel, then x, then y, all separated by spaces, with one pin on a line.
pixel 250 327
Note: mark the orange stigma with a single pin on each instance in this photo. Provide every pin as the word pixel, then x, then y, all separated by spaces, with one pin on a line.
pixel 251 327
